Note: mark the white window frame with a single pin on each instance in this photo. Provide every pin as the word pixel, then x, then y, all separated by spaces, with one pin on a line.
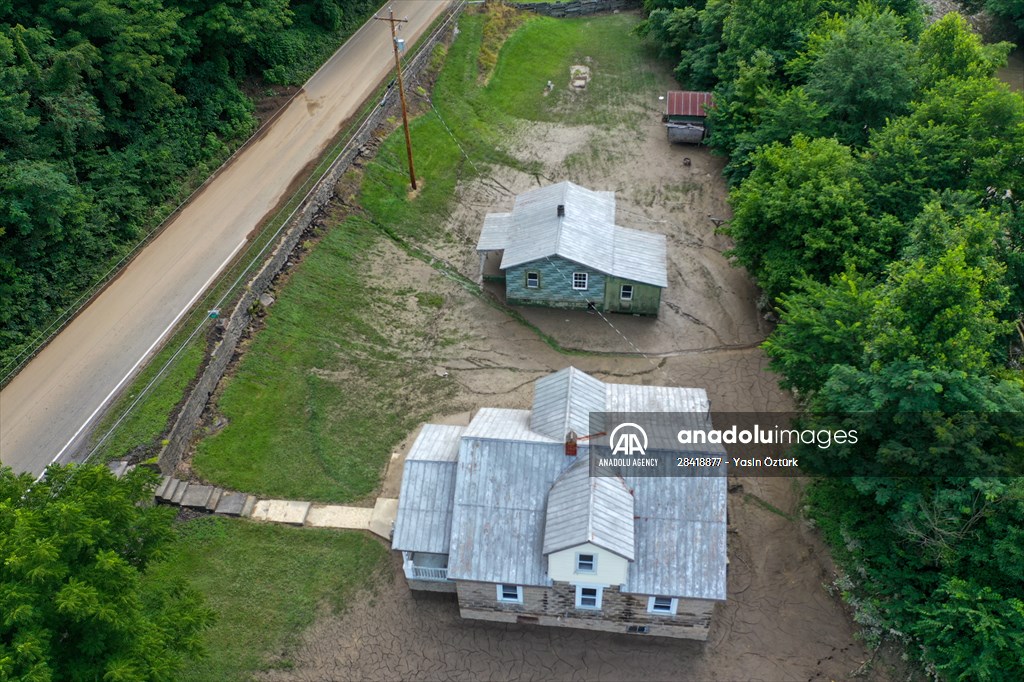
pixel 592 562
pixel 586 281
pixel 623 292
pixel 536 276
pixel 504 599
pixel 671 611
pixel 598 597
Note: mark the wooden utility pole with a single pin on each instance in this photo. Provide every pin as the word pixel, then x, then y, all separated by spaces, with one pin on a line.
pixel 401 89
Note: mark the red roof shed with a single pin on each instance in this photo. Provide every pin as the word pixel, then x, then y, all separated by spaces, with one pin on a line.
pixel 686 103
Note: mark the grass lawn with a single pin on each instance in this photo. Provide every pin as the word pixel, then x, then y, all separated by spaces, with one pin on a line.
pixel 324 392
pixel 266 583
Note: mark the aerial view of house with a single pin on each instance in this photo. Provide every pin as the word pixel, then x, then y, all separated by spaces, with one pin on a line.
pixel 503 514
pixel 560 247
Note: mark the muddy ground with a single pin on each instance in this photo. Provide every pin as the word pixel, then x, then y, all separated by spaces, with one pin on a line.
pixel 780 621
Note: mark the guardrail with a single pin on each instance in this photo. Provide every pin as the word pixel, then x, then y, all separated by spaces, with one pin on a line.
pixel 576 8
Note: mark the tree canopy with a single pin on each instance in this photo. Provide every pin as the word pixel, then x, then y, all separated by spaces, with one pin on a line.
pixel 72 550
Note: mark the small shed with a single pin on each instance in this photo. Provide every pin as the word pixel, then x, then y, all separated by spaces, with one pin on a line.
pixel 685 116
pixel 560 248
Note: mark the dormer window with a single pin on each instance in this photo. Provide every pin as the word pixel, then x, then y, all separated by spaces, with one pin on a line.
pixel 586 563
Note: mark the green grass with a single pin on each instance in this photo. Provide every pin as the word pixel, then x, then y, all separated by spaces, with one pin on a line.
pixel 266 583
pixel 326 391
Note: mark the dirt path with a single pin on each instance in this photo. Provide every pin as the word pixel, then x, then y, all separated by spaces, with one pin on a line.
pixel 780 622
pixel 48 405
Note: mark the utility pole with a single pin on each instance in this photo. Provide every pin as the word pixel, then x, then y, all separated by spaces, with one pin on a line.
pixel 401 89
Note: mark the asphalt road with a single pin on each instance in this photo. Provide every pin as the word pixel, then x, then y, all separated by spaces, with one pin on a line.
pixel 55 398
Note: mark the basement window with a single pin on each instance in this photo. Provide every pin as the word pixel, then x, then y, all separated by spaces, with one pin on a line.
pixel 533 280
pixel 663 605
pixel 510 594
pixel 580 281
pixel 588 597
pixel 626 292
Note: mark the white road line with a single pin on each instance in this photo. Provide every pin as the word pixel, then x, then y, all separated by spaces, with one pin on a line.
pixel 145 355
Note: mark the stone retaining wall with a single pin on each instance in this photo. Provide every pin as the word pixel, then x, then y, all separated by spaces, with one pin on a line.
pixel 577 8
pixel 230 329
pixel 556 606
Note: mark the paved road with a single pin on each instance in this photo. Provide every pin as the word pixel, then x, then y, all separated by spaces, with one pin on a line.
pixel 45 409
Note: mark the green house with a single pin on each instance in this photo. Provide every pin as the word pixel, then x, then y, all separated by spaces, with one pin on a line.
pixel 560 248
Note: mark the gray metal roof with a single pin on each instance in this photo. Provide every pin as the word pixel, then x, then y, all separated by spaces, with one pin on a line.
pixel 502 519
pixel 586 234
pixel 495 232
pixel 424 518
pixel 500 424
pixel 582 509
pixel 680 537
pixel 498 519
pixel 563 401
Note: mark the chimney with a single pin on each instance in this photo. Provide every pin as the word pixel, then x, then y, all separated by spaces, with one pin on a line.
pixel 570 439
pixel 561 210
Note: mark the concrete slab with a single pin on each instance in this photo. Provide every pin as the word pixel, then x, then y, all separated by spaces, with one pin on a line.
pixel 168 493
pixel 179 493
pixel 196 496
pixel 291 512
pixel 214 499
pixel 382 520
pixel 250 503
pixel 159 492
pixel 230 503
pixel 337 516
pixel 118 467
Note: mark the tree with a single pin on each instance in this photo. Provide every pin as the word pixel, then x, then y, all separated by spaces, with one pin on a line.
pixel 822 325
pixel 72 549
pixel 802 213
pixel 949 48
pixel 859 72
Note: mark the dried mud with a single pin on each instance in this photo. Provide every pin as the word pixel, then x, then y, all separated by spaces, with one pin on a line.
pixel 779 622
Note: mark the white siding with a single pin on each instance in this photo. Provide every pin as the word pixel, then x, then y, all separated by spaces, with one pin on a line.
pixel 611 568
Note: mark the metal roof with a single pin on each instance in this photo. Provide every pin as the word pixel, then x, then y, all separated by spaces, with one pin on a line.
pixel 509 502
pixel 498 517
pixel 688 103
pixel 582 509
pixel 680 537
pixel 563 401
pixel 585 234
pixel 424 520
pixel 500 424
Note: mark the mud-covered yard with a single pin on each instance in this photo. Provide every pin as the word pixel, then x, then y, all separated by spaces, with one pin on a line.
pixel 781 621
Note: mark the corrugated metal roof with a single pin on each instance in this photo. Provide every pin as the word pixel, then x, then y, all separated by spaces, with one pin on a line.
pixel 680 537
pixel 563 401
pixel 498 519
pixel 582 509
pixel 502 521
pixel 688 103
pixel 586 234
pixel 424 520
pixel 501 424
pixel 495 232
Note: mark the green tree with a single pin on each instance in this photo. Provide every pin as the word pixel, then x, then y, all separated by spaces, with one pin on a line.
pixel 802 213
pixel 72 548
pixel 949 48
pixel 859 72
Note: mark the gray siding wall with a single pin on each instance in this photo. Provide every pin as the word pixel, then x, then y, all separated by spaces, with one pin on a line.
pixel 555 285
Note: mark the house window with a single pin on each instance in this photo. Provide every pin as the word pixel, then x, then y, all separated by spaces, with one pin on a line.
pixel 579 281
pixel 663 605
pixel 586 563
pixel 588 597
pixel 510 594
pixel 533 280
pixel 626 292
